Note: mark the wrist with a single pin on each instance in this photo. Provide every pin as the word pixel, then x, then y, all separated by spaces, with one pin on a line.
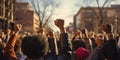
pixel 62 30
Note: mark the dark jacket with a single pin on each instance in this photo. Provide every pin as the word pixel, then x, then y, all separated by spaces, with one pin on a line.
pixel 65 44
pixel 110 50
pixel 64 47
pixel 78 43
pixel 97 54
pixel 52 45
pixel 94 45
pixel 87 42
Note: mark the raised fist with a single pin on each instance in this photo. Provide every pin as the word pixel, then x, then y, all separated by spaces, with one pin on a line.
pixel 50 34
pixel 59 22
pixel 17 27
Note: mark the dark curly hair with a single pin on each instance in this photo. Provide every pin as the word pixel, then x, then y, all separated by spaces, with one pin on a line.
pixel 34 46
pixel 108 28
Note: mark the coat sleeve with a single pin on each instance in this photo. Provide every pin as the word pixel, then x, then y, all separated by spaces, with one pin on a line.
pixel 9 49
pixel 52 45
pixel 65 43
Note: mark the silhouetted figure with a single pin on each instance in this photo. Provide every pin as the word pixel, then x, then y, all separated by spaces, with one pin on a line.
pixel 109 48
pixel 65 44
pixel 34 47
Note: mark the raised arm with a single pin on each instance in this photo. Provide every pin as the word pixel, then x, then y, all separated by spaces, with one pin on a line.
pixel 9 49
pixel 64 41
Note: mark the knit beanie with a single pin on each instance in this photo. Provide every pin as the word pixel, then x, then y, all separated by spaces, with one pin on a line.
pixel 81 53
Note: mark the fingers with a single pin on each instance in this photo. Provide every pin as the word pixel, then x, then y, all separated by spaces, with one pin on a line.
pixel 50 34
pixel 18 27
pixel 59 22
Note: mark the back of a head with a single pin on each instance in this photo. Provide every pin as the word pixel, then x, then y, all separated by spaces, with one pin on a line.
pixel 85 32
pixel 108 28
pixel 34 46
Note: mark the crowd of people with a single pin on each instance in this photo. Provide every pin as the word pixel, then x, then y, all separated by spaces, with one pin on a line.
pixel 83 45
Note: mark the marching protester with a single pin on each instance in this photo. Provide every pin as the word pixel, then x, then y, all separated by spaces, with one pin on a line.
pixel 109 48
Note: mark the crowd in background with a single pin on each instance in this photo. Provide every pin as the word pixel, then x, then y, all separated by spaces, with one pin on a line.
pixel 83 45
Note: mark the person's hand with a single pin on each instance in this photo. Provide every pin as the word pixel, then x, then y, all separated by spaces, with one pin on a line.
pixel 50 34
pixel 77 33
pixel 17 28
pixel 40 30
pixel 60 24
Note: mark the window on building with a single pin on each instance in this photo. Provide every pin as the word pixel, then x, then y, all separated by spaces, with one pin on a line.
pixel 104 13
pixel 110 13
pixel 1 8
pixel 88 14
pixel 118 13
pixel 89 24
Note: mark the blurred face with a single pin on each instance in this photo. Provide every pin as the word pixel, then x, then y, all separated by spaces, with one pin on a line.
pixel 107 28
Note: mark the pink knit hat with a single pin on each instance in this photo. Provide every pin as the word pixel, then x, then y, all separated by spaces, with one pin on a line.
pixel 81 53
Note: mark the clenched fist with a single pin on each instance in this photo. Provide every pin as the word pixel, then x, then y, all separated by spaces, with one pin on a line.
pixel 17 28
pixel 60 24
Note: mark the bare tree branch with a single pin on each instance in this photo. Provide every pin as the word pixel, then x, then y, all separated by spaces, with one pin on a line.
pixel 97 1
pixel 94 12
pixel 106 1
pixel 48 17
pixel 44 9
pixel 44 12
pixel 101 8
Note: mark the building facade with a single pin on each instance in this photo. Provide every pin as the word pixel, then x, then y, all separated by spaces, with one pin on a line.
pixel 27 17
pixel 91 18
pixel 7 8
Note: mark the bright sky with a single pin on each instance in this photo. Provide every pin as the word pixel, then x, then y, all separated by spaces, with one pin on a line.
pixel 68 8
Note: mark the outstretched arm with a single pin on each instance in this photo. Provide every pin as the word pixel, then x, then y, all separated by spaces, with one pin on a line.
pixel 64 41
pixel 9 49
